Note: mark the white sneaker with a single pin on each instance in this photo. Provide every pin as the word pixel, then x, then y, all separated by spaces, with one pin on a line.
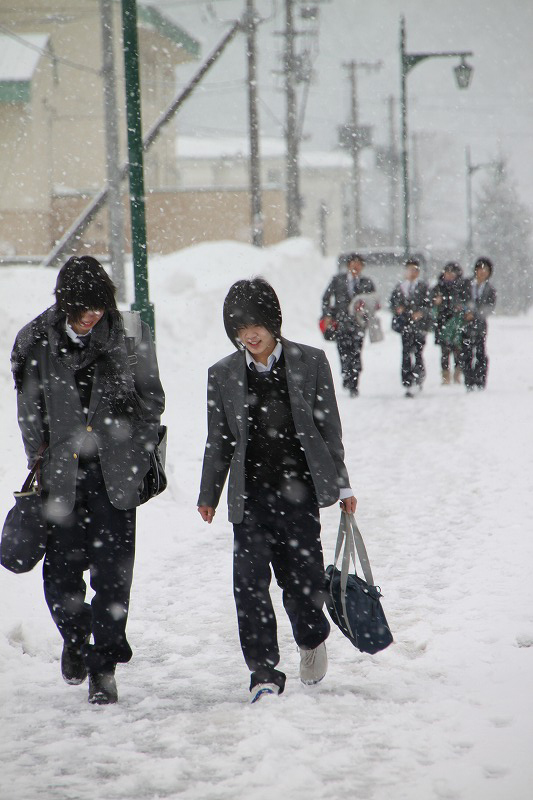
pixel 261 690
pixel 313 664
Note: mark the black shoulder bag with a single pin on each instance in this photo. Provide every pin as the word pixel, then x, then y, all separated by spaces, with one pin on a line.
pixel 23 542
pixel 155 480
pixel 353 603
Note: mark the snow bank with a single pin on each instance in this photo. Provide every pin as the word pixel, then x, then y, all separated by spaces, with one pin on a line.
pixel 445 503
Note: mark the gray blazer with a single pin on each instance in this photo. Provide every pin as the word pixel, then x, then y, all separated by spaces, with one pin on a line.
pixel 315 414
pixel 49 406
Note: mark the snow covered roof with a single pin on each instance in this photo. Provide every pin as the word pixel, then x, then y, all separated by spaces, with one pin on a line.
pixel 325 160
pixel 239 147
pixel 18 60
pixel 226 147
pixel 151 17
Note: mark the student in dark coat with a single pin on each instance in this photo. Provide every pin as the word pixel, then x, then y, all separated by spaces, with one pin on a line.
pixel 273 424
pixel 338 308
pixel 409 303
pixel 448 299
pixel 481 299
pixel 98 409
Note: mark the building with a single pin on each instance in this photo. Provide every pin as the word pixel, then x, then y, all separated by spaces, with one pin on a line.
pixel 52 133
pixel 207 163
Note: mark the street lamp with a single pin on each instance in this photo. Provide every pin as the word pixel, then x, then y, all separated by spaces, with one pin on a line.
pixel 463 74
pixel 470 170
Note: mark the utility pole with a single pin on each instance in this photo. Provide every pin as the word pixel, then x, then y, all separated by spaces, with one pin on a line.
pixel 416 187
pixel 253 117
pixel 291 132
pixel 393 172
pixel 470 169
pixel 356 137
pixel 116 215
pixel 323 227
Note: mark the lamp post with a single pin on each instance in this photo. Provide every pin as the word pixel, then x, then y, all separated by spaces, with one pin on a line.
pixel 470 170
pixel 463 74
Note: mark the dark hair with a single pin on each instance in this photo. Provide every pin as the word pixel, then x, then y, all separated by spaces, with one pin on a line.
pixel 349 257
pixel 412 262
pixel 84 285
pixel 251 303
pixel 484 262
pixel 453 266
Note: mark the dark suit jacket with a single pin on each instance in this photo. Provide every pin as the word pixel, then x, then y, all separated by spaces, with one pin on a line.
pixel 337 298
pixel 419 301
pixel 315 414
pixel 481 307
pixel 49 406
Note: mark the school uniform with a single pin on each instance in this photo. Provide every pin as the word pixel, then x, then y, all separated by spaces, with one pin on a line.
pixel 75 393
pixel 449 319
pixel 481 301
pixel 350 333
pixel 277 432
pixel 412 296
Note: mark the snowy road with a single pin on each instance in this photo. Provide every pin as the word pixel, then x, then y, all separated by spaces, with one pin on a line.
pixel 445 503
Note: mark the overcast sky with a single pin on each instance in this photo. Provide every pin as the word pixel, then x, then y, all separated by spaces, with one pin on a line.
pixel 494 115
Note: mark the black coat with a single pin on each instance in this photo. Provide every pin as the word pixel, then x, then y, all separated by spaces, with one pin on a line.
pixel 418 301
pixel 454 298
pixel 337 298
pixel 50 409
pixel 480 307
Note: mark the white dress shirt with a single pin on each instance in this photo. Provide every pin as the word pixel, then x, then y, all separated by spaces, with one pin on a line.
pixel 81 340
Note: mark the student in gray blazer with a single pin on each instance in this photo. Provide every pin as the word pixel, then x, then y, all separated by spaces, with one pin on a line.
pixel 481 299
pixel 273 425
pixel 343 304
pixel 98 410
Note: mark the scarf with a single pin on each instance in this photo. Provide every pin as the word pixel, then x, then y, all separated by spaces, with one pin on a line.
pixel 106 346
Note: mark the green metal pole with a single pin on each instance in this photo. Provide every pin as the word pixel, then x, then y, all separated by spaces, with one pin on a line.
pixel 405 154
pixel 136 167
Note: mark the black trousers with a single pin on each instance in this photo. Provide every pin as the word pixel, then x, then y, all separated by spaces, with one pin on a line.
pixel 349 344
pixel 101 538
pixel 286 535
pixel 474 355
pixel 413 369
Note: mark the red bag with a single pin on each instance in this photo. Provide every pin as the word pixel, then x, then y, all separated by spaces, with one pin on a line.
pixel 328 328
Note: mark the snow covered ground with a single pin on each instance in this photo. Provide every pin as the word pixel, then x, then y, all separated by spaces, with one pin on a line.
pixel 445 505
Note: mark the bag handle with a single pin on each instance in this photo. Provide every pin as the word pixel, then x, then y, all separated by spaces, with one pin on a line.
pixel 361 550
pixel 350 535
pixel 33 481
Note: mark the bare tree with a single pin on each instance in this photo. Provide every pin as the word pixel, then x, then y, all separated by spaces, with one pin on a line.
pixel 503 233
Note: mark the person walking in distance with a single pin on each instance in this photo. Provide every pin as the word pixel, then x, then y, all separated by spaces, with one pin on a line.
pixel 97 408
pixel 481 300
pixel 344 304
pixel 409 303
pixel 448 300
pixel 273 425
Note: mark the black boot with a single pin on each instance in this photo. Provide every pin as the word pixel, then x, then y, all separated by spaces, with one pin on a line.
pixel 73 667
pixel 103 688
